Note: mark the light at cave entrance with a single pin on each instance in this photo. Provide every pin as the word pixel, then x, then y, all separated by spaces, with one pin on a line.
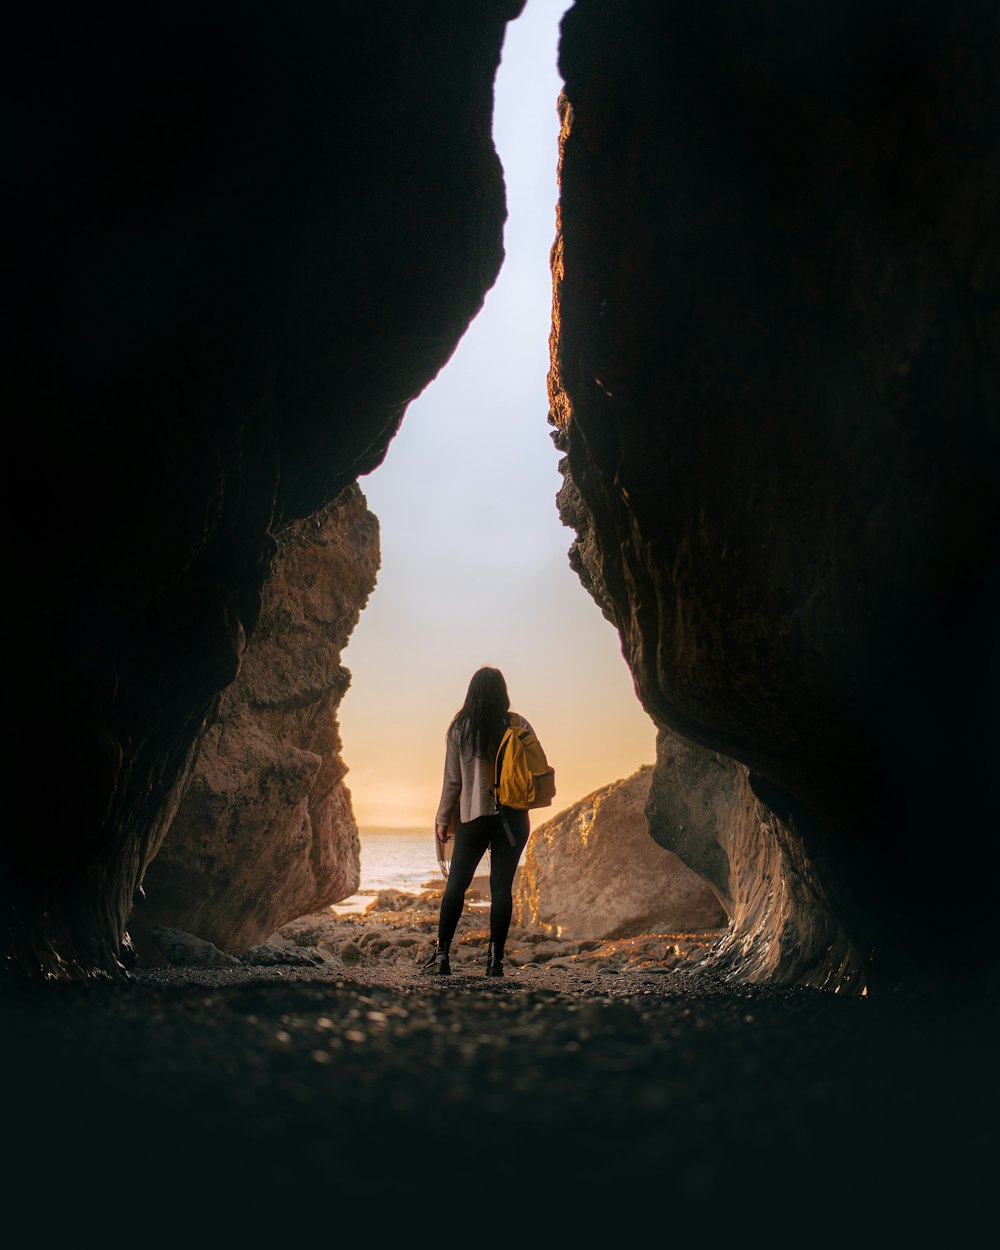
pixel 474 555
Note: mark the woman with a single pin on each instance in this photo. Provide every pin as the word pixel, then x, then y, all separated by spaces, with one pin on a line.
pixel 469 807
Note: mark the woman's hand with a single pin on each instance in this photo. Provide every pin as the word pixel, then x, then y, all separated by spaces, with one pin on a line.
pixel 442 833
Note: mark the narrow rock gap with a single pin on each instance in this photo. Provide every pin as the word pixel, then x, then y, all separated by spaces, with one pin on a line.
pixel 474 555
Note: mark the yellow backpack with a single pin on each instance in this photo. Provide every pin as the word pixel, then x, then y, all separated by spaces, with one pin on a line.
pixel 522 775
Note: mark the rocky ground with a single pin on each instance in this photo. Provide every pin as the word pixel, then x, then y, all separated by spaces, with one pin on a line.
pixel 599 1090
pixel 398 930
pixel 394 936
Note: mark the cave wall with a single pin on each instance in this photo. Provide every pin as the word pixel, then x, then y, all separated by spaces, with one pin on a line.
pixel 244 240
pixel 265 832
pixel 782 927
pixel 775 367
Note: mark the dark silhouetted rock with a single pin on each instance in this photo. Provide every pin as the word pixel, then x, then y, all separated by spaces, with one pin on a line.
pixel 776 378
pixel 245 241
pixel 242 244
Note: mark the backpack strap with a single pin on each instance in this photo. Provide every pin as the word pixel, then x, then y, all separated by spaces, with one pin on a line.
pixel 498 764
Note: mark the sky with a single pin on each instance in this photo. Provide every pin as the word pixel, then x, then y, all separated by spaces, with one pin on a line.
pixel 475 565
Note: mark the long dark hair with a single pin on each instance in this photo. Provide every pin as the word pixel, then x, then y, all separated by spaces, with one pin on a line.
pixel 482 718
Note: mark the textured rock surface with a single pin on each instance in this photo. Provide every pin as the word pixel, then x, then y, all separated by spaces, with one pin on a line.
pixel 593 871
pixel 775 378
pixel 245 241
pixel 265 831
pixel 781 925
pixel 243 246
pixel 165 947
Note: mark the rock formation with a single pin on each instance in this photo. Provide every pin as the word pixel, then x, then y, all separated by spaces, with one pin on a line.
pixel 593 871
pixel 775 358
pixel 782 927
pixel 242 243
pixel 245 240
pixel 265 831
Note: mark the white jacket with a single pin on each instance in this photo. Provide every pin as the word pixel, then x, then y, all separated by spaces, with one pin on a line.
pixel 467 789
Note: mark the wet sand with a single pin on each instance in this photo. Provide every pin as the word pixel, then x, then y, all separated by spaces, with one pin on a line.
pixel 561 1104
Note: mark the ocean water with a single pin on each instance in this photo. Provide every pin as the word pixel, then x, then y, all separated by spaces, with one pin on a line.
pixel 394 859
pixel 399 859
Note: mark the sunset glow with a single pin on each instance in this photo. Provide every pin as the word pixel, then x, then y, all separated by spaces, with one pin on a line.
pixel 474 555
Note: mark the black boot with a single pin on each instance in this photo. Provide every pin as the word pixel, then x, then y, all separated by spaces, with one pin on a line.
pixel 439 963
pixel 494 964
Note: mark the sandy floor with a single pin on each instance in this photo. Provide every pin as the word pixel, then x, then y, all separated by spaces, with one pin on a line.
pixel 565 1104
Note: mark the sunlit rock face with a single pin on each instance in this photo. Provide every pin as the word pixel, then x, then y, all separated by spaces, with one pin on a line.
pixel 775 379
pixel 593 871
pixel 245 240
pixel 782 929
pixel 265 832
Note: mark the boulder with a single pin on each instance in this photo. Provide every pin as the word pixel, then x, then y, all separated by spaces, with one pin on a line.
pixel 163 946
pixel 270 955
pixel 593 871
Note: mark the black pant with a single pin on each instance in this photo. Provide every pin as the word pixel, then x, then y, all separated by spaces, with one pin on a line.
pixel 471 843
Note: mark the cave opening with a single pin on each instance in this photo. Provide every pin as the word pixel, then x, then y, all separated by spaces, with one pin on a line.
pixel 474 565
